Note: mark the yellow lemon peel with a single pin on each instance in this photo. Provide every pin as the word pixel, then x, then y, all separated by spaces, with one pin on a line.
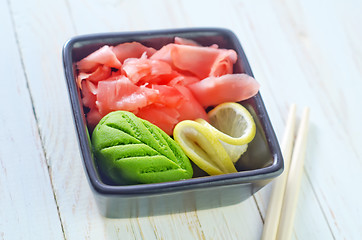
pixel 215 146
pixel 203 148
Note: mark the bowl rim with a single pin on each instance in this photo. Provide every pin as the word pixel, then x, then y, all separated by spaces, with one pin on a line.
pixel 243 177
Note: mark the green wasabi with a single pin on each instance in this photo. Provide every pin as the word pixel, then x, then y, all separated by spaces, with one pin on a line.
pixel 130 150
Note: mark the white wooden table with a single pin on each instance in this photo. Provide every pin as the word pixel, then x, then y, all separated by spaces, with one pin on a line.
pixel 306 52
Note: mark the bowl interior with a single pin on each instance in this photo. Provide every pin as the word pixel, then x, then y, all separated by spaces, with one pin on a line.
pixel 262 160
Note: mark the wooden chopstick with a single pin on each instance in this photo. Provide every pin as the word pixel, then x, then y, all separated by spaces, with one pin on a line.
pixel 276 199
pixel 293 182
pixel 282 206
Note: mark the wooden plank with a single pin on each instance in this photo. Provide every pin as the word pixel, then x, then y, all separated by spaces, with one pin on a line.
pixel 260 32
pixel 302 47
pixel 28 209
pixel 77 208
pixel 329 54
pixel 42 28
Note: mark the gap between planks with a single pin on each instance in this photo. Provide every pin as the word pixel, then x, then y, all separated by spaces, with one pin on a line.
pixel 34 112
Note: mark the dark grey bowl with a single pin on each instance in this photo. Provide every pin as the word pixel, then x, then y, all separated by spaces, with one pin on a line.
pixel 262 162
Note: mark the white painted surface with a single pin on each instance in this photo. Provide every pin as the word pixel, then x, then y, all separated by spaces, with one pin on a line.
pixel 307 52
pixel 27 206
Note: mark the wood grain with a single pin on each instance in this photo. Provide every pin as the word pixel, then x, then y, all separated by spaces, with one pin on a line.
pixel 305 52
pixel 28 209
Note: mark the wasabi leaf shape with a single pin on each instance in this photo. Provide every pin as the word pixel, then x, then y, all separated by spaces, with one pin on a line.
pixel 130 150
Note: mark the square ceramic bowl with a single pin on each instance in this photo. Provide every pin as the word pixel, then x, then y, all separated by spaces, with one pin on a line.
pixel 258 166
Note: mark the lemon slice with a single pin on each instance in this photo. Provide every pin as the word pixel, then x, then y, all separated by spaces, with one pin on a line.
pixel 203 148
pixel 233 125
pixel 233 122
